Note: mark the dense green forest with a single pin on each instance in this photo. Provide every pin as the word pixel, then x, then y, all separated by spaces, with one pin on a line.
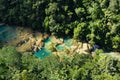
pixel 91 21
pixel 17 66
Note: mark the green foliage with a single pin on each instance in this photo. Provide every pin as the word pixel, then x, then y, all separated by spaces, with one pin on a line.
pixel 10 61
pixel 51 47
pixel 95 21
pixel 78 32
pixel 10 57
pixel 77 67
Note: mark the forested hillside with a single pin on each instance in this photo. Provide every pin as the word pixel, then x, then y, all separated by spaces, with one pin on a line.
pixel 93 21
pixel 16 66
pixel 75 28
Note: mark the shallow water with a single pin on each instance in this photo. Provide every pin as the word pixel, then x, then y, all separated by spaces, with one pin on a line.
pixel 68 42
pixel 42 53
pixel 8 33
pixel 60 47
pixel 47 41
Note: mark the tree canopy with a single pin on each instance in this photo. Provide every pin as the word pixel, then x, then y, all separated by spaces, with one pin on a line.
pixel 83 67
pixel 95 21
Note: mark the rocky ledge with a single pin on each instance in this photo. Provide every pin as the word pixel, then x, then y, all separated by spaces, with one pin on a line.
pixel 28 41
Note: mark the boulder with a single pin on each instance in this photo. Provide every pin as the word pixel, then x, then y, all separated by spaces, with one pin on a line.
pixel 25 47
pixel 59 41
pixel 86 47
pixel 45 36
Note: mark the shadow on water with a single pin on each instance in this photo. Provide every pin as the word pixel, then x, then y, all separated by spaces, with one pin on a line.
pixel 7 34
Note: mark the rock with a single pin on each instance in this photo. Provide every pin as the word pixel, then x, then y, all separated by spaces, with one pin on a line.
pixel 93 54
pixel 80 45
pixel 83 48
pixel 59 41
pixel 35 48
pixel 45 36
pixel 86 47
pixel 53 38
pixel 51 47
pixel 73 48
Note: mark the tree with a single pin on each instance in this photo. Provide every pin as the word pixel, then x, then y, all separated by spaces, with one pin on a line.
pixel 10 57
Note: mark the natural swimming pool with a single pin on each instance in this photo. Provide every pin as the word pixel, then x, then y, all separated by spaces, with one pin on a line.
pixel 67 43
pixel 8 33
pixel 44 52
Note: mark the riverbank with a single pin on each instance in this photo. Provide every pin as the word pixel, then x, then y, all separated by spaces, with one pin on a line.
pixel 29 41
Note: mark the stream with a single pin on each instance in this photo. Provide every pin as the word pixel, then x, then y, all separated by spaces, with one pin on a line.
pixel 43 52
pixel 8 34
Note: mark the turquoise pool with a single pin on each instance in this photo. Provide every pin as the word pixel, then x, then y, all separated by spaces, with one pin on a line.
pixel 60 47
pixel 47 41
pixel 43 52
pixel 67 42
pixel 9 33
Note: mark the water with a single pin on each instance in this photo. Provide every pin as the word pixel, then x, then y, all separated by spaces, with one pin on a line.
pixel 60 47
pixel 67 42
pixel 7 34
pixel 43 52
pixel 47 41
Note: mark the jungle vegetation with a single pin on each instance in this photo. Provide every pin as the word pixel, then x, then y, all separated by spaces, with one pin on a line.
pixel 92 21
pixel 17 66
